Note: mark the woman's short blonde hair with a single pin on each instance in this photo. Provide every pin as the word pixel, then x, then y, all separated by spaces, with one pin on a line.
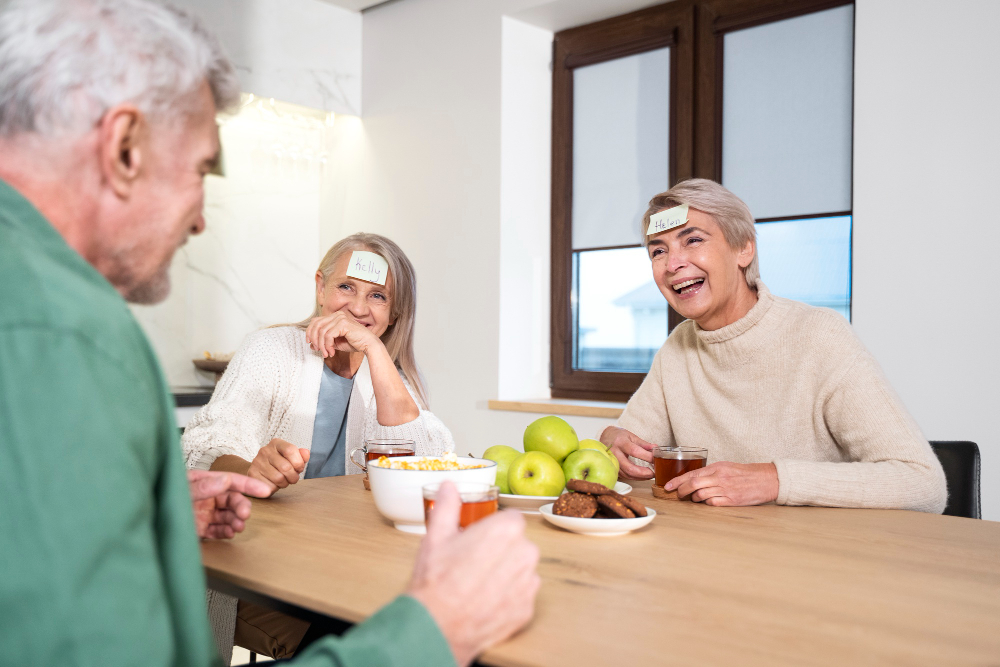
pixel 726 208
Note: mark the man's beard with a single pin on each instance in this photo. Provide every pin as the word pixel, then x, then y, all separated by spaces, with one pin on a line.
pixel 148 291
pixel 151 291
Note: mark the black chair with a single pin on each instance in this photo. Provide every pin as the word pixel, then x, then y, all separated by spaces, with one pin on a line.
pixel 960 461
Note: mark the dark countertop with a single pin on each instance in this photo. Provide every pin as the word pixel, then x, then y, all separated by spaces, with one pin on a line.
pixel 185 397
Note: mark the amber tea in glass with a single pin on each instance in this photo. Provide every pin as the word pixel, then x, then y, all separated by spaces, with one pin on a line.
pixel 670 462
pixel 479 500
pixel 376 449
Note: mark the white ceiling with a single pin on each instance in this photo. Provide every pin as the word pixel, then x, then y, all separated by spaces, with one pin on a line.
pixel 556 15
pixel 355 5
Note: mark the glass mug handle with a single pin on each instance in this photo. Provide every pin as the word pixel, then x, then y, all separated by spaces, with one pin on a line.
pixel 364 450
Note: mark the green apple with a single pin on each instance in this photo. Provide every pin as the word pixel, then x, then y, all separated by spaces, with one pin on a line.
pixel 551 435
pixel 590 466
pixel 502 455
pixel 602 448
pixel 535 474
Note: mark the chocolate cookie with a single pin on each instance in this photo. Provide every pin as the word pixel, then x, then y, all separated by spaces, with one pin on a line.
pixel 615 506
pixel 575 504
pixel 592 488
pixel 637 508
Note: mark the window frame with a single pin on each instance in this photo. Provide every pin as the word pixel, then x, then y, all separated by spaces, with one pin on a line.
pixel 695 30
pixel 670 25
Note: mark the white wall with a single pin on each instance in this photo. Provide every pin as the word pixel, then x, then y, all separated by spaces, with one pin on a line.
pixel 437 165
pixel 525 193
pixel 306 52
pixel 926 230
pixel 431 179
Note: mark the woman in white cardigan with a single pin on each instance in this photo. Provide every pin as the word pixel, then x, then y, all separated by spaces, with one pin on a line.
pixel 295 400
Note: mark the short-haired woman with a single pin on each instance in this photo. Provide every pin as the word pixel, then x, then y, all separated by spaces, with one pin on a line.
pixel 295 400
pixel 790 405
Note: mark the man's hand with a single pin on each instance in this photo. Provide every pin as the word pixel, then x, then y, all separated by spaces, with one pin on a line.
pixel 624 444
pixel 728 484
pixel 479 584
pixel 220 508
pixel 278 464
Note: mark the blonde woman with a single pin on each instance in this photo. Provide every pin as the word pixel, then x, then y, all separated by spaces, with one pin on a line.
pixel 295 400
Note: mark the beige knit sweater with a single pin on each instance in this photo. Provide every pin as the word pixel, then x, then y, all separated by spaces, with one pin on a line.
pixel 790 384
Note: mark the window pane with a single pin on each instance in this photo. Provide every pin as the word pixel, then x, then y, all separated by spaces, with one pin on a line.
pixel 621 114
pixel 786 114
pixel 808 260
pixel 620 316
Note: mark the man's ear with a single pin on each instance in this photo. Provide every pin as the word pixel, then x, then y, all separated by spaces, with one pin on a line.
pixel 747 254
pixel 124 141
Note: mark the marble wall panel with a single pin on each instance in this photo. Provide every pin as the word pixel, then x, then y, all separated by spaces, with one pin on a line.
pixel 306 52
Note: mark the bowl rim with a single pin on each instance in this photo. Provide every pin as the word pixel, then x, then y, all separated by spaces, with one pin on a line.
pixel 492 464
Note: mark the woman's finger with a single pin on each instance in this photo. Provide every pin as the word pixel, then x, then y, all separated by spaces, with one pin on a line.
pixel 639 442
pixel 707 493
pixel 690 482
pixel 628 447
pixel 268 472
pixel 290 453
pixel 281 464
pixel 629 469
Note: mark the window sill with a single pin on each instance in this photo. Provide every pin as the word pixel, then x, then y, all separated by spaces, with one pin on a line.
pixel 562 406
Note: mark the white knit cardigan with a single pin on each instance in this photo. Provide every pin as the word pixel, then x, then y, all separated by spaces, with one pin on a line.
pixel 270 390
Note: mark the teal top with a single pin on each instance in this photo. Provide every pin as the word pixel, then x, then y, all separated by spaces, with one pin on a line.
pixel 99 560
pixel 326 456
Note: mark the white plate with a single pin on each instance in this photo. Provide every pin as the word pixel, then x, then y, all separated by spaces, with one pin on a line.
pixel 596 527
pixel 530 504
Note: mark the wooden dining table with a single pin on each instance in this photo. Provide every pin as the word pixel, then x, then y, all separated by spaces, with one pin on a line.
pixel 700 585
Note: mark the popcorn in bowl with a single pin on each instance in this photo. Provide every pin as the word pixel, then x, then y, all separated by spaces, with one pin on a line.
pixel 447 462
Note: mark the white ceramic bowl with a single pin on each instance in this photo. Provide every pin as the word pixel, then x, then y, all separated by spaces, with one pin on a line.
pixel 596 527
pixel 530 504
pixel 398 495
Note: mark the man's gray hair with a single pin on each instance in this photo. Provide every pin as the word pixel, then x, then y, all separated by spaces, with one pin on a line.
pixel 728 210
pixel 64 63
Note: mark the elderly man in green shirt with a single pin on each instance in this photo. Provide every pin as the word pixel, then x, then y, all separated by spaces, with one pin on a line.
pixel 107 128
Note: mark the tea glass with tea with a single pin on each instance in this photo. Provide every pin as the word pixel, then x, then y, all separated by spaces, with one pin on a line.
pixel 376 449
pixel 670 462
pixel 373 450
pixel 479 500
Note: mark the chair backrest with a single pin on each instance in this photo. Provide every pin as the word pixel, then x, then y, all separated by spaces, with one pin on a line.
pixel 960 461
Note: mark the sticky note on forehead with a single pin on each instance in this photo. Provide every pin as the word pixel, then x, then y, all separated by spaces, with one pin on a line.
pixel 667 220
pixel 368 266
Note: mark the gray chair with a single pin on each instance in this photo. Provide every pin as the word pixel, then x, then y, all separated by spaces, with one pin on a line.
pixel 960 460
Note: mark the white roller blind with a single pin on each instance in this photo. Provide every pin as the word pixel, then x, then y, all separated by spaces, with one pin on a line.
pixel 786 109
pixel 621 124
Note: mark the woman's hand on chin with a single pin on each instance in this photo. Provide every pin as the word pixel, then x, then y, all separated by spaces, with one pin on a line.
pixel 339 332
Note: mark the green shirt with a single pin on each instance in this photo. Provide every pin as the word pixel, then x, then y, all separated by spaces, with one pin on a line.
pixel 99 561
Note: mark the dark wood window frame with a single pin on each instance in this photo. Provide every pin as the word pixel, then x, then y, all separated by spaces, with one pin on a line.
pixel 695 30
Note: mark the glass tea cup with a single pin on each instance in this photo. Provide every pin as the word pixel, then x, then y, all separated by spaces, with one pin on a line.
pixel 670 462
pixel 376 449
pixel 479 500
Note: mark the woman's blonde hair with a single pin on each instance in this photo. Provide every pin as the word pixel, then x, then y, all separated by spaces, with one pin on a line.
pixel 398 338
pixel 728 210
